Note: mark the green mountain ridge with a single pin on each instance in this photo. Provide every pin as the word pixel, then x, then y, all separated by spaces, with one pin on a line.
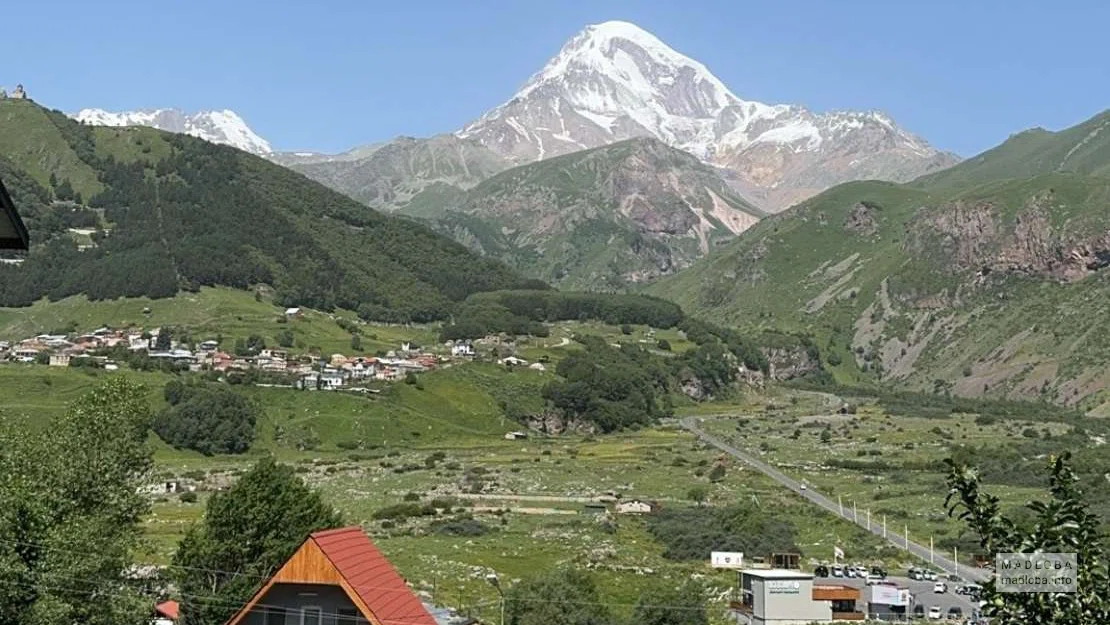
pixel 170 212
pixel 985 279
pixel 601 219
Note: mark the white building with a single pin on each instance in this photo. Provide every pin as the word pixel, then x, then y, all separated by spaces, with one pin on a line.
pixel 462 350
pixel 787 597
pixel 634 506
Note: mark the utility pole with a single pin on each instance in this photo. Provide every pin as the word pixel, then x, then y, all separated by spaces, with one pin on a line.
pixel 884 526
pixel 855 513
pixel 840 503
pixel 956 560
pixel 930 550
pixel 496 583
pixel 906 532
pixel 869 519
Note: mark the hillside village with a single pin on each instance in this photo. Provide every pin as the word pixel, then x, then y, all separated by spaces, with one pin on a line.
pixel 110 348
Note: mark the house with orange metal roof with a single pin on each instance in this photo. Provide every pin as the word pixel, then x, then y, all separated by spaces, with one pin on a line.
pixel 336 577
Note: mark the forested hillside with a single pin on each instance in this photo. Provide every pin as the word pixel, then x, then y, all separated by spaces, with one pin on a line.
pixel 127 212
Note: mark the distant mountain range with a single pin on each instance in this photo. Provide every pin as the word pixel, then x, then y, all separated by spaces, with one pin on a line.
pixel 615 81
pixel 611 82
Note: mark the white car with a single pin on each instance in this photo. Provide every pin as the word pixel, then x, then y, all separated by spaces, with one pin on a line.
pixel 934 613
pixel 871 580
pixel 851 572
pixel 803 487
pixel 940 588
pixel 930 575
pixel 837 570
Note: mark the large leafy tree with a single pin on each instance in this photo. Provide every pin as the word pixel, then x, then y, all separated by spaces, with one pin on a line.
pixel 247 533
pixel 663 603
pixel 70 506
pixel 1063 523
pixel 561 597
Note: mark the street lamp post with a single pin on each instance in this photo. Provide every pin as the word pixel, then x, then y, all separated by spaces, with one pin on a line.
pixel 496 583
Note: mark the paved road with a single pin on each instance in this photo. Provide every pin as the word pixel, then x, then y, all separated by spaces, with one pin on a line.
pixel 967 572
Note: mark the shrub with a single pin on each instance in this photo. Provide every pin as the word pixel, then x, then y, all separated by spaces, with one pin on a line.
pixel 403 511
pixel 188 497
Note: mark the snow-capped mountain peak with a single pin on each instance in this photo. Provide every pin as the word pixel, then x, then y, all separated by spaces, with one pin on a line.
pixel 614 81
pixel 225 127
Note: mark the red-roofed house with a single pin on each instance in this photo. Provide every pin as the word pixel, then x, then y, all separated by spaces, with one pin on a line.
pixel 166 613
pixel 336 577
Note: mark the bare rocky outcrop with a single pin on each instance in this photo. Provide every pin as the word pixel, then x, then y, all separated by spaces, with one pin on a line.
pixel 862 219
pixel 975 237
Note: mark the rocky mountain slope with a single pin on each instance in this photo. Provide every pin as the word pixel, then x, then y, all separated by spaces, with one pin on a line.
pixel 600 219
pixel 420 172
pixel 223 127
pixel 615 81
pixel 989 278
pixel 129 212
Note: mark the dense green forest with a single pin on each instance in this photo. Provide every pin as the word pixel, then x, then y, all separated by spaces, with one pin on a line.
pixel 524 312
pixel 173 212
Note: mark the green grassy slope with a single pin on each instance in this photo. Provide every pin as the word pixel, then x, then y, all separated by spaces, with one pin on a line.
pixel 986 278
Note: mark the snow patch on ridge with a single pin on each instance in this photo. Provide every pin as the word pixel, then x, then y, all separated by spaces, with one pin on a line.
pixel 224 127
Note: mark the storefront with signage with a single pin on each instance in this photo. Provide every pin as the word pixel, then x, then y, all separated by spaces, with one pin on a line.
pixel 780 597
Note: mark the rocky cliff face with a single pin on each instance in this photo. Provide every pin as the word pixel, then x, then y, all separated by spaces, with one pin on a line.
pixel 980 237
pixel 615 81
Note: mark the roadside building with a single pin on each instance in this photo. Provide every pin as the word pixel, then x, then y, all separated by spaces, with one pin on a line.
pixel 787 597
pixel 887 602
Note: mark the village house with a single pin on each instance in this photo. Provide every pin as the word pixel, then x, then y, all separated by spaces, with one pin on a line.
pixel 462 350
pixel 635 506
pixel 335 575
pixel 166 613
pixel 59 360
pixel 513 361
pixel 208 346
pixel 294 313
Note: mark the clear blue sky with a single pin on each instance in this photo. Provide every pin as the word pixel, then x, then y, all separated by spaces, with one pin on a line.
pixel 330 75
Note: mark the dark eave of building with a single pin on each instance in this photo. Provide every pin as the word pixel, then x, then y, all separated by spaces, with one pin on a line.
pixel 13 234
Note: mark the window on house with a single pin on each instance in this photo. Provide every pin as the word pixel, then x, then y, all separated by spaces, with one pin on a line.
pixel 312 615
pixel 275 616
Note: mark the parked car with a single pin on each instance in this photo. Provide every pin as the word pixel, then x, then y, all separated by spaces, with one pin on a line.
pixel 934 613
pixel 879 571
pixel 915 574
pixel 930 575
pixel 871 580
pixel 837 570
pixel 851 572
pixel 821 571
pixel 955 613
pixel 940 587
